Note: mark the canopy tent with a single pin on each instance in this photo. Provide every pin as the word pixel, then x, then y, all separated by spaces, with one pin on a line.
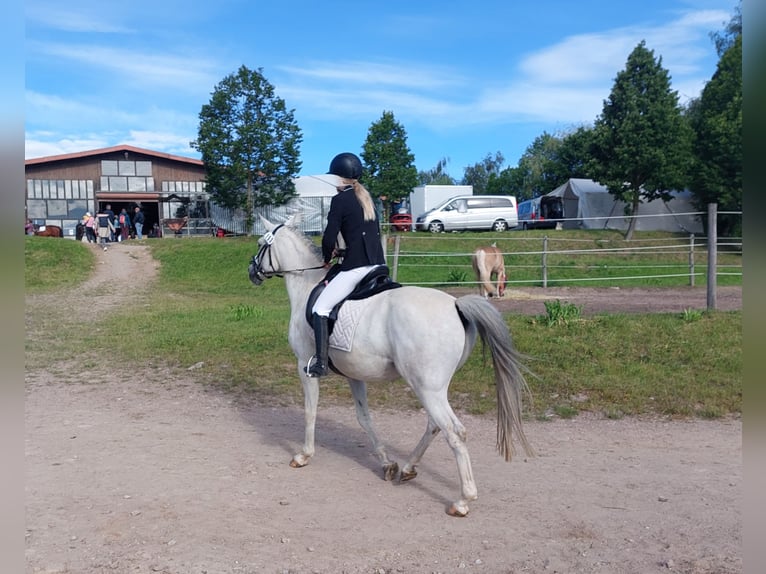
pixel 589 205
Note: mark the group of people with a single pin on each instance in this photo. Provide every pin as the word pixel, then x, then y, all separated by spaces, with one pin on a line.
pixel 106 227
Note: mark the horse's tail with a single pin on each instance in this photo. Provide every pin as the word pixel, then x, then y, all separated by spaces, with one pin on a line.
pixel 509 377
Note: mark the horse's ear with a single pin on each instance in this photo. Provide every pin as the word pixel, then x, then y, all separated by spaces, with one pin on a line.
pixel 266 223
pixel 295 219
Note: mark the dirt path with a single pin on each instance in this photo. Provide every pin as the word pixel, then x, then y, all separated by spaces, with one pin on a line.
pixel 158 475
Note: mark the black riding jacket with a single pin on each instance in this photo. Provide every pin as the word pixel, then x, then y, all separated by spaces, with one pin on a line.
pixel 362 238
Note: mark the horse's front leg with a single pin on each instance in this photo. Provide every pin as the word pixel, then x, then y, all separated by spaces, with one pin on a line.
pixel 359 392
pixel 310 401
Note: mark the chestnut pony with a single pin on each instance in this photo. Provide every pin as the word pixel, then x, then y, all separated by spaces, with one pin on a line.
pixel 488 263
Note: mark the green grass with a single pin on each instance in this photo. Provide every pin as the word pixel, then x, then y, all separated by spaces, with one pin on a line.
pixel 203 309
pixel 424 258
pixel 51 263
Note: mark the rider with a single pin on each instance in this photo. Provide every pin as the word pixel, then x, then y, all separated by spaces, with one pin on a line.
pixel 353 216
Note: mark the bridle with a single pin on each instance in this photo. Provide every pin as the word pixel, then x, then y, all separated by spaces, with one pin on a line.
pixel 255 269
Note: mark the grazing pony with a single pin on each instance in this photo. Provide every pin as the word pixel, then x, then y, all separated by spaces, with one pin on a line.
pixel 487 263
pixel 416 334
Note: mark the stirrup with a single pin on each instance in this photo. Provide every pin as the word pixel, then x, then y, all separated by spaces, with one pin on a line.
pixel 315 369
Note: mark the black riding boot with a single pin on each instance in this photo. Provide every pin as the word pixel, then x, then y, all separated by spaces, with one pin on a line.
pixel 318 367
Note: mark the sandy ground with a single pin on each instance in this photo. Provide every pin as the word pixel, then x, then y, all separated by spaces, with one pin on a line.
pixel 158 474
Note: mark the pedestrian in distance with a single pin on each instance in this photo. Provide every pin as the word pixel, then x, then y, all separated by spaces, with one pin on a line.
pixel 138 222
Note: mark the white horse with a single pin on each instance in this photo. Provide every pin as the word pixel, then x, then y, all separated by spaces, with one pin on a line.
pixel 420 335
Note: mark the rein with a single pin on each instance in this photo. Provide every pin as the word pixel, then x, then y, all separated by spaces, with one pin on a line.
pixel 256 263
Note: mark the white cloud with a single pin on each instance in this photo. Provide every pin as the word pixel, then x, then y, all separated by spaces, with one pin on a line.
pixel 347 75
pixel 61 16
pixel 564 82
pixel 147 70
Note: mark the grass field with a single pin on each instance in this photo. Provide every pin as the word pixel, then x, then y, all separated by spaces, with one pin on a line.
pixel 203 309
pixel 571 258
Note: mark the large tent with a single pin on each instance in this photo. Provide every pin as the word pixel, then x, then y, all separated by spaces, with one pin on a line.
pixel 589 205
pixel 314 193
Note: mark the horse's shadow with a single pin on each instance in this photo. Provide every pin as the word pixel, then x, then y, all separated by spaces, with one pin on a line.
pixel 283 427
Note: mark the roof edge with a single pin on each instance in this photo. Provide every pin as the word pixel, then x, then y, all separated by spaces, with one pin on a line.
pixel 117 148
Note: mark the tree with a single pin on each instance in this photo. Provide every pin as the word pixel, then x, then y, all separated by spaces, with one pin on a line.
pixel 389 169
pixel 641 141
pixel 436 175
pixel 733 30
pixel 574 155
pixel 478 175
pixel 716 120
pixel 540 168
pixel 510 181
pixel 249 142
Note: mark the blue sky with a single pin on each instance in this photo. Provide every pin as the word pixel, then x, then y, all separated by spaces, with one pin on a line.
pixel 465 79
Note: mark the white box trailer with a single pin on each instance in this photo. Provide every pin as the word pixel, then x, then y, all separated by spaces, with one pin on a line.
pixel 425 197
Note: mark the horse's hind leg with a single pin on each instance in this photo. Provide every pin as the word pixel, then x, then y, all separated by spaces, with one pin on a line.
pixel 359 391
pixel 409 470
pixel 439 410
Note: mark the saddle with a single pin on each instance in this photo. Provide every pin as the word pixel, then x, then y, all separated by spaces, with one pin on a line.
pixel 376 281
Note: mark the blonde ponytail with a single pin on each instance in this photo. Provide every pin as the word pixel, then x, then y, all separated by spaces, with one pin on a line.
pixel 364 198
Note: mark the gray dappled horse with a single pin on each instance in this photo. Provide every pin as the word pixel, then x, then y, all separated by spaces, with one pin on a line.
pixel 417 334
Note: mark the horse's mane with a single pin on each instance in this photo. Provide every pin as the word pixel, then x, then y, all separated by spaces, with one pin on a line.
pixel 312 247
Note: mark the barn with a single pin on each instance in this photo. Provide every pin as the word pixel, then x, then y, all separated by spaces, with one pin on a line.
pixel 170 189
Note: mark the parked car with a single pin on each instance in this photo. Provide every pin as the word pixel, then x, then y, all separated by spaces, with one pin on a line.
pixel 541 212
pixel 488 212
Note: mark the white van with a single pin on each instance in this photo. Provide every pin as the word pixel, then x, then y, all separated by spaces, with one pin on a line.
pixel 488 212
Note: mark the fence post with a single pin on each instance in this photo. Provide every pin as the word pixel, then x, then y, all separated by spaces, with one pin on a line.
pixel 397 244
pixel 545 261
pixel 712 254
pixel 691 260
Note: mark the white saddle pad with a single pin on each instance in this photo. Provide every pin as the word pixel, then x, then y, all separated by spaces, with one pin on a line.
pixel 342 336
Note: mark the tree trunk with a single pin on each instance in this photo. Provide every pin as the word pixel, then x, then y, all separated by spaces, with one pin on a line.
pixel 633 220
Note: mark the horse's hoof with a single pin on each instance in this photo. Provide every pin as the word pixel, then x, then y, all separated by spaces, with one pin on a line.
pixel 460 512
pixel 390 471
pixel 408 475
pixel 298 463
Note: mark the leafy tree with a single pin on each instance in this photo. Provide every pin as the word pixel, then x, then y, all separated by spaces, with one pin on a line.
pixel 641 141
pixel 540 168
pixel 508 182
pixel 436 175
pixel 733 30
pixel 478 175
pixel 574 157
pixel 390 172
pixel 716 120
pixel 249 142
pixel 547 163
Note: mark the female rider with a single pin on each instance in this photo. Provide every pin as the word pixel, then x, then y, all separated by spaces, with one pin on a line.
pixel 352 216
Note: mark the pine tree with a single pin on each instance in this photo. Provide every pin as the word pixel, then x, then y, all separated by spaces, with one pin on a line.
pixel 389 168
pixel 641 145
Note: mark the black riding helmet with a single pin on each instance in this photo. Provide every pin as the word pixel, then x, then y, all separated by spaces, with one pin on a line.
pixel 346 165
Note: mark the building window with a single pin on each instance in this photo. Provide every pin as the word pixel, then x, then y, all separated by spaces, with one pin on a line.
pixel 144 168
pixel 109 167
pixel 127 167
pixel 133 176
